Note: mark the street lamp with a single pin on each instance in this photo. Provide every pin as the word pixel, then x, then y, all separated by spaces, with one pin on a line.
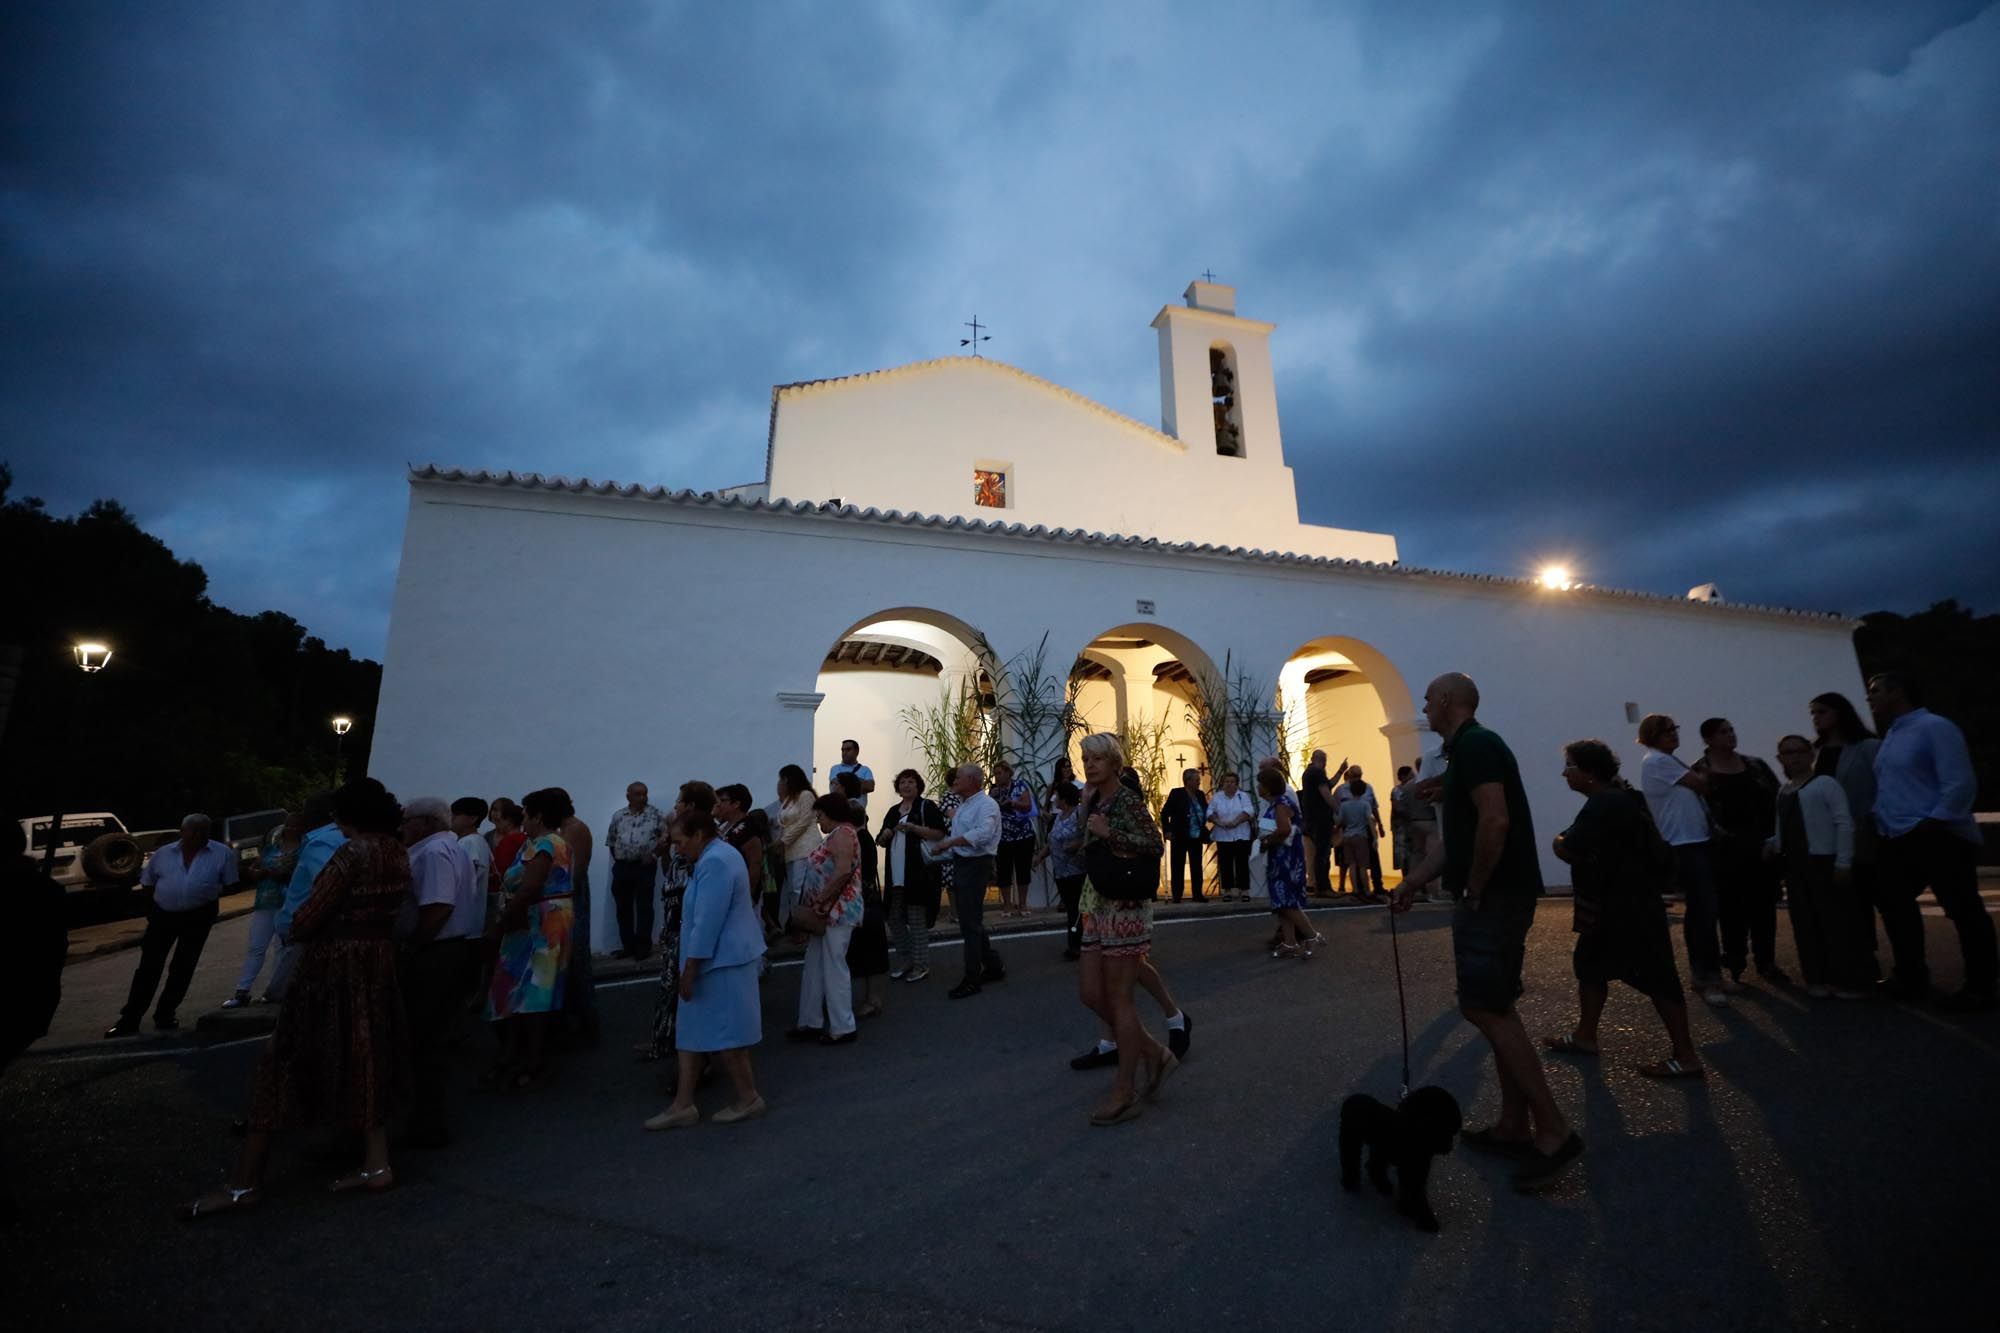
pixel 91 658
pixel 1556 578
pixel 341 726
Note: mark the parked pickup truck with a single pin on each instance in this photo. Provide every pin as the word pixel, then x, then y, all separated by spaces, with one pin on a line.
pixel 93 851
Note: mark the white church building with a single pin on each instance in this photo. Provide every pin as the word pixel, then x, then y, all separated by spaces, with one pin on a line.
pixel 920 532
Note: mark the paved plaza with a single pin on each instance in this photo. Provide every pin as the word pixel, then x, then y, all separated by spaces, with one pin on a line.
pixel 1834 1172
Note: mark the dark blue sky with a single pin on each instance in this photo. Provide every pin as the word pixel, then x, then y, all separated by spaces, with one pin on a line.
pixel 1680 293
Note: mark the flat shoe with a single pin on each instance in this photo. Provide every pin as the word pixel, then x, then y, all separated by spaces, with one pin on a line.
pixel 1545 1169
pixel 1129 1111
pixel 373 1182
pixel 1673 1069
pixel 730 1115
pixel 1487 1141
pixel 1167 1067
pixel 672 1119
pixel 223 1200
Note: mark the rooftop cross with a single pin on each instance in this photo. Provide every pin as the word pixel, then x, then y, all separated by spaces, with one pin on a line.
pixel 1208 275
pixel 974 341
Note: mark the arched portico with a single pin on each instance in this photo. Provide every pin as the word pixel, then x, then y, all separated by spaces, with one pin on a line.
pixel 900 683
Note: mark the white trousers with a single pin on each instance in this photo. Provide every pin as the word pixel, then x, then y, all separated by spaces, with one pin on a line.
pixel 827 983
pixel 263 929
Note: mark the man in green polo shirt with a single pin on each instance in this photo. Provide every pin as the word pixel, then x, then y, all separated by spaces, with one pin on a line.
pixel 1490 865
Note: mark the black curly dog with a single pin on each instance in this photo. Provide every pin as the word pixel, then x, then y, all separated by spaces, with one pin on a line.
pixel 1406 1137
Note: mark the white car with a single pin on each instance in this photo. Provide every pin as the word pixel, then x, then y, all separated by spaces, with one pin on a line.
pixel 93 851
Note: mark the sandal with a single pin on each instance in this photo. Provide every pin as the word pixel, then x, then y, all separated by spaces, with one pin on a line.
pixel 1567 1045
pixel 222 1200
pixel 1488 1141
pixel 1672 1068
pixel 1129 1111
pixel 374 1182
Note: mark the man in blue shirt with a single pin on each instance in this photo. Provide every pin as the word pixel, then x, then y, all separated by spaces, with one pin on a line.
pixel 318 848
pixel 1924 791
pixel 850 762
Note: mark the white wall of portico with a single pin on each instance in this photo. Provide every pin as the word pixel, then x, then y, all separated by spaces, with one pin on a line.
pixel 587 676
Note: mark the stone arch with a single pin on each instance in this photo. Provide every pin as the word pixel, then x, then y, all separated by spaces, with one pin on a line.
pixel 882 667
pixel 1145 690
pixel 1345 696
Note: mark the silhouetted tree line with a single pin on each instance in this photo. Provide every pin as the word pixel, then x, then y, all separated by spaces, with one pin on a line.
pixel 1951 653
pixel 201 708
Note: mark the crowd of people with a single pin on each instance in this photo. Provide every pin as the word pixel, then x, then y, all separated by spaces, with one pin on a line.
pixel 379 926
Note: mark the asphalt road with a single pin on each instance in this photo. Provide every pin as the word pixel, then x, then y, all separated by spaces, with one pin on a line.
pixel 1836 1171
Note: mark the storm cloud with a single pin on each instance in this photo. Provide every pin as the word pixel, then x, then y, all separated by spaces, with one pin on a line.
pixel 1678 294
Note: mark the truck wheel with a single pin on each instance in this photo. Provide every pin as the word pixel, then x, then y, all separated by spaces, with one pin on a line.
pixel 114 857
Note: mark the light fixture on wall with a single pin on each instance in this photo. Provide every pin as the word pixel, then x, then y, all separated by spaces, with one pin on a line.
pixel 91 657
pixel 1556 578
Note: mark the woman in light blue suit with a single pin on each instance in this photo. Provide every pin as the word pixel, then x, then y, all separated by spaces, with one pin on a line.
pixel 721 1012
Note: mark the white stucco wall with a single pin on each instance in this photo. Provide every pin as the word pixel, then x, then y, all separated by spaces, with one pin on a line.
pixel 565 685
pixel 910 438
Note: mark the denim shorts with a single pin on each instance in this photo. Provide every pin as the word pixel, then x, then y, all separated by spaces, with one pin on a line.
pixel 1488 946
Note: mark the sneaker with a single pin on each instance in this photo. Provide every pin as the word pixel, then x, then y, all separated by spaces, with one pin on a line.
pixel 897 974
pixel 1094 1058
pixel 964 990
pixel 237 1001
pixel 1179 1037
pixel 1545 1169
pixel 166 1024
pixel 1714 995
pixel 916 974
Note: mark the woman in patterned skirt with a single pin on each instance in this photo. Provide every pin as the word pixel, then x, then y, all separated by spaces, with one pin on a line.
pixel 1117 933
pixel 531 974
pixel 341 1053
pixel 1285 868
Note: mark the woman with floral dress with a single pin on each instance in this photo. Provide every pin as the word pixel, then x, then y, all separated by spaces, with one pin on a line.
pixel 534 931
pixel 340 1054
pixel 831 888
pixel 1281 833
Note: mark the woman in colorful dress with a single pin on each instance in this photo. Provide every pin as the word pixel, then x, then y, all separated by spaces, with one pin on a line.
pixel 340 1054
pixel 721 940
pixel 532 969
pixel 831 888
pixel 1281 833
pixel 1120 843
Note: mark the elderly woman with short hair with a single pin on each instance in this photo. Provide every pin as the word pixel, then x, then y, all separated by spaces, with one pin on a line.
pixel 720 941
pixel 911 884
pixel 1121 853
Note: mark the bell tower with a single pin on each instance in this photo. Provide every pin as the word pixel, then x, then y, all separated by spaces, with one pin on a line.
pixel 1216 391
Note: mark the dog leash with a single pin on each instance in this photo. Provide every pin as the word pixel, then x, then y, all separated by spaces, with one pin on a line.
pixel 1402 1008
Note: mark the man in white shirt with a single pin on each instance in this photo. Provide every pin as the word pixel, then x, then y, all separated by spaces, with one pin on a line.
pixel 186 878
pixel 974 839
pixel 633 837
pixel 467 814
pixel 443 915
pixel 850 762
pixel 1676 796
pixel 1233 816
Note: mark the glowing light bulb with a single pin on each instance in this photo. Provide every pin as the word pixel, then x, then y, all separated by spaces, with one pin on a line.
pixel 1556 578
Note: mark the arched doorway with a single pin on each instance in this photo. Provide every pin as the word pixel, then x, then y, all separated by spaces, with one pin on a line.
pixel 1145 682
pixel 1341 695
pixel 906 684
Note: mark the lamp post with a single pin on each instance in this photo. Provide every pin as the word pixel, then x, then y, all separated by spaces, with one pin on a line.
pixel 341 726
pixel 91 657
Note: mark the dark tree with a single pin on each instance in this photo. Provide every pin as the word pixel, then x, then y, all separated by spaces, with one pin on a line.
pixel 1951 652
pixel 201 709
